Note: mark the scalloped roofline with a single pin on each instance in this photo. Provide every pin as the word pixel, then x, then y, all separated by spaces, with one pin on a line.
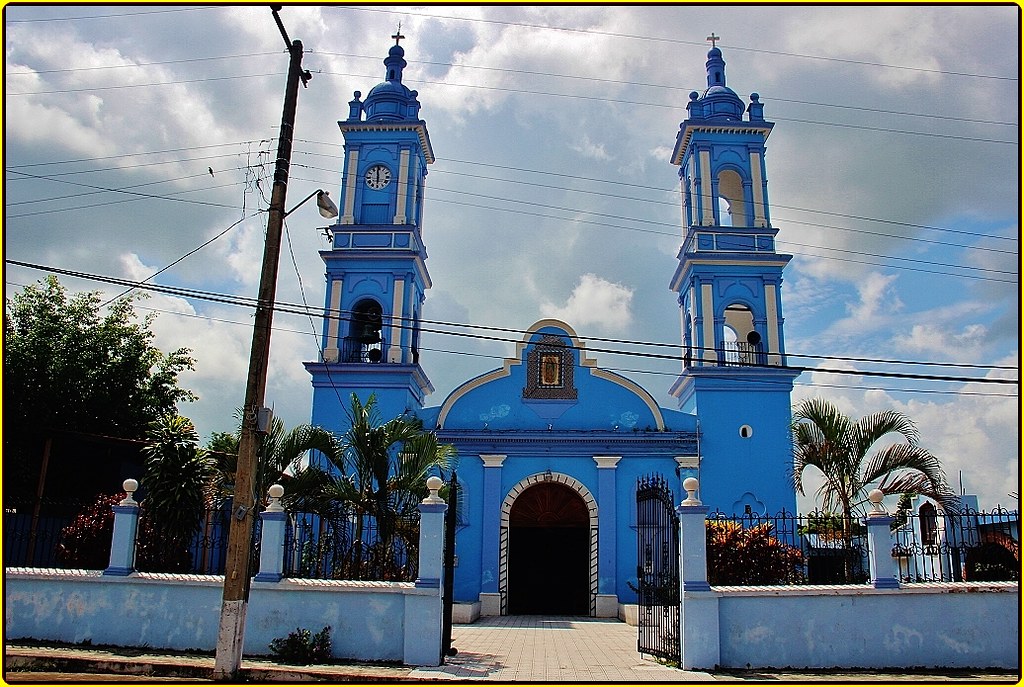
pixel 506 370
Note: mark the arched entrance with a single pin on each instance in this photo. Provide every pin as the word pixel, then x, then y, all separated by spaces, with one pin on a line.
pixel 549 548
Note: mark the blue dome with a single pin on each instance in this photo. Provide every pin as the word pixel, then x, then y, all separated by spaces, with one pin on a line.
pixel 390 100
pixel 718 101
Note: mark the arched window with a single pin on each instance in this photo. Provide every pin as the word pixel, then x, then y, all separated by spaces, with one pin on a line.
pixel 929 524
pixel 732 206
pixel 364 343
pixel 740 339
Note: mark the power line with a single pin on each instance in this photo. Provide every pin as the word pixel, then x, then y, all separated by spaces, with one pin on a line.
pixel 679 41
pixel 470 354
pixel 107 16
pixel 117 190
pixel 295 309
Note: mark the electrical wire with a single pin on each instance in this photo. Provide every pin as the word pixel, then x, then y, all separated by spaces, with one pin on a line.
pixel 294 309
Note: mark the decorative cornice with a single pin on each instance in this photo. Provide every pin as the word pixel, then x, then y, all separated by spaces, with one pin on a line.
pixel 419 127
pixel 575 443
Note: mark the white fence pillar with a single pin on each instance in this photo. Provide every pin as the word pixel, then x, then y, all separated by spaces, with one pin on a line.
pixel 272 538
pixel 423 612
pixel 881 564
pixel 126 527
pixel 699 644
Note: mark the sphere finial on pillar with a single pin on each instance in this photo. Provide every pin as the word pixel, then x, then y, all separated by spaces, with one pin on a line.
pixel 690 484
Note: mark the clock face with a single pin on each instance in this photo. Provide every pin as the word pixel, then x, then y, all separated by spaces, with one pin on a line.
pixel 378 176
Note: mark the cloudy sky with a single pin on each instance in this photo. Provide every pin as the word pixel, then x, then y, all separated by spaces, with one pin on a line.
pixel 893 177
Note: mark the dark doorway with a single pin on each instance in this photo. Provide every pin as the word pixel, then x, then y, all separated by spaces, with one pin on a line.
pixel 549 552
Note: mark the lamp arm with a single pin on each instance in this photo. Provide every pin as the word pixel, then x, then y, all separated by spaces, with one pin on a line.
pixel 301 202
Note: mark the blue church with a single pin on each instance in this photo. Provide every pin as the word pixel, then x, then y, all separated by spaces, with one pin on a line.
pixel 550 444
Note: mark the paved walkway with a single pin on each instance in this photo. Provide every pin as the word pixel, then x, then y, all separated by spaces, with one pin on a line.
pixel 534 648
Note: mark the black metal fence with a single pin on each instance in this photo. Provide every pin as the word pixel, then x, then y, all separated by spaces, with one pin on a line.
pixel 345 547
pixel 934 546
pixel 32 536
pixel 822 548
pixel 786 549
pixel 351 547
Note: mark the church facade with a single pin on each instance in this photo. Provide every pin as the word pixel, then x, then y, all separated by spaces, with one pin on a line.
pixel 551 445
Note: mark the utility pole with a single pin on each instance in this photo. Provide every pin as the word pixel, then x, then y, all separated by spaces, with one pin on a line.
pixel 237 574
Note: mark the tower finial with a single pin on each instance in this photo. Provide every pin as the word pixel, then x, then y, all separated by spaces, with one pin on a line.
pixel 713 38
pixel 398 34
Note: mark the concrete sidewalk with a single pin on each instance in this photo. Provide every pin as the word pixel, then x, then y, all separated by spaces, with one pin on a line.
pixel 499 649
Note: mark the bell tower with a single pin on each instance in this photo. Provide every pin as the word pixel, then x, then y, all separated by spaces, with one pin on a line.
pixel 376 267
pixel 728 282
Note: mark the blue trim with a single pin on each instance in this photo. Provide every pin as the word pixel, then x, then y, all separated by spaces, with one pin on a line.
pixel 433 507
pixel 118 571
pixel 886 583
pixel 696 586
pixel 268 577
pixel 428 583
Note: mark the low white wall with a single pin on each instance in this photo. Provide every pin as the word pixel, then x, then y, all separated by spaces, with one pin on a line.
pixel 947 625
pixel 379 621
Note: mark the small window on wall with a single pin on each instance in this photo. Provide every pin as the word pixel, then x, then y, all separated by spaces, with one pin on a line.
pixel 549 370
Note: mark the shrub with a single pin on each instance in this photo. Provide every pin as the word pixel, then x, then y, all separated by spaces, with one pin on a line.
pixel 85 543
pixel 302 648
pixel 738 555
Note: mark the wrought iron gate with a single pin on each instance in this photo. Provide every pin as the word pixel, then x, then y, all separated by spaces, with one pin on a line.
pixel 657 569
pixel 450 520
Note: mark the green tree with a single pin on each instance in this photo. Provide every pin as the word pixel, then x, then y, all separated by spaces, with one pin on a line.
pixel 176 477
pixel 379 475
pixel 841 450
pixel 69 367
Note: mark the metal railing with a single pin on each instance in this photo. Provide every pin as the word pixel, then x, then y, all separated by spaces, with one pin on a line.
pixel 344 547
pixel 969 546
pixel 786 549
pixel 351 547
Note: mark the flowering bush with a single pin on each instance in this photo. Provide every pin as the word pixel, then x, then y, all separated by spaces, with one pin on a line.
pixel 85 543
pixel 751 555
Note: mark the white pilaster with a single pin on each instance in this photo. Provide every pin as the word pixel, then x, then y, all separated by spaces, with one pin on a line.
pixel 397 319
pixel 348 214
pixel 403 185
pixel 333 323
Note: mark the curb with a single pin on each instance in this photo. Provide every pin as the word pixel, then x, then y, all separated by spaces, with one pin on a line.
pixel 195 668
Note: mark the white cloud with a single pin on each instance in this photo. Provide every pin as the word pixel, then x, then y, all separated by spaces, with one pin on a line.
pixel 595 301
pixel 876 306
pixel 931 339
pixel 587 148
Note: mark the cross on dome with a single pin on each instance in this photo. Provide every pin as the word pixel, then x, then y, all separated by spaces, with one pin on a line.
pixel 713 38
pixel 398 34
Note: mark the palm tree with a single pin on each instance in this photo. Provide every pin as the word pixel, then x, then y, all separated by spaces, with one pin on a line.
pixel 841 449
pixel 378 477
pixel 280 456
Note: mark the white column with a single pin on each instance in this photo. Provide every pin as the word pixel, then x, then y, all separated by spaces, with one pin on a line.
pixel 772 315
pixel 708 201
pixel 403 184
pixel 348 214
pixel 397 319
pixel 707 306
pixel 757 188
pixel 333 323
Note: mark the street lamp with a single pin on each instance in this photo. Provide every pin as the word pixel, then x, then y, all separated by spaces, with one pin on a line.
pixel 324 204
